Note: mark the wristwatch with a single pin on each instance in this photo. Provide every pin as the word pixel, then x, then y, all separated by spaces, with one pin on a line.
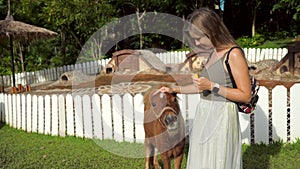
pixel 216 88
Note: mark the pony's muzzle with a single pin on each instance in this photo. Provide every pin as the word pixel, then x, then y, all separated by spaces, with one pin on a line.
pixel 171 122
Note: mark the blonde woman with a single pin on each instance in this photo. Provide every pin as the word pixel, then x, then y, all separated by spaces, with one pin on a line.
pixel 215 136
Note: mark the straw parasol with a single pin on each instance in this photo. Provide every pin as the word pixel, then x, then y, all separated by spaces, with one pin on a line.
pixel 15 30
pixel 22 31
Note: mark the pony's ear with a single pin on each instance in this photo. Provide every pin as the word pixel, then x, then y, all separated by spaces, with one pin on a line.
pixel 174 97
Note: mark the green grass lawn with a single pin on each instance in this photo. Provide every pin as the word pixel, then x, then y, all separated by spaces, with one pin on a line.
pixel 19 149
pixel 282 43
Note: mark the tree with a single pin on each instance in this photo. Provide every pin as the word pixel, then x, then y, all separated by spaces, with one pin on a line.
pixel 289 7
pixel 77 20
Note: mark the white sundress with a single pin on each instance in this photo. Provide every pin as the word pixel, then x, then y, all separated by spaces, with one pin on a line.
pixel 215 136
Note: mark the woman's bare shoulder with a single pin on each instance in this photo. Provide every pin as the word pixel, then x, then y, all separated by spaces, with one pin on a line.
pixel 236 54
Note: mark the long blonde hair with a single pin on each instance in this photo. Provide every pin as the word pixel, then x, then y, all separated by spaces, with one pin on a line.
pixel 209 22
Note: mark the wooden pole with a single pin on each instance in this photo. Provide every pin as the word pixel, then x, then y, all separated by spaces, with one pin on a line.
pixel 12 60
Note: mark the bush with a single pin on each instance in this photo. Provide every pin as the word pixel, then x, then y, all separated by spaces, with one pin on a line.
pixel 251 42
pixel 278 40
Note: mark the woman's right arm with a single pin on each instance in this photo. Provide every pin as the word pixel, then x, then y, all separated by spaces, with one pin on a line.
pixel 188 89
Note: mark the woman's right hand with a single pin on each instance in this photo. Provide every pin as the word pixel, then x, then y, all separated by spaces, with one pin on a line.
pixel 202 83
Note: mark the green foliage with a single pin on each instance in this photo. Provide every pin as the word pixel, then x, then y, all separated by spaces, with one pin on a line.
pixel 76 20
pixel 4 65
pixel 5 58
pixel 279 40
pixel 249 42
pixel 290 6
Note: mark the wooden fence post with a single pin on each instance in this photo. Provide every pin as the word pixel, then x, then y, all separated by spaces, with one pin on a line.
pixel 28 113
pixel 295 112
pixel 78 116
pixel 62 115
pixel 70 115
pixel 54 113
pixel 87 116
pixel 279 114
pixel 118 110
pixel 47 114
pixel 97 114
pixel 41 114
pixel 128 117
pixel 139 118
pixel 261 117
pixel 107 117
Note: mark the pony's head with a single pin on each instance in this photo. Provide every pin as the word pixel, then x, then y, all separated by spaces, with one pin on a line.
pixel 162 106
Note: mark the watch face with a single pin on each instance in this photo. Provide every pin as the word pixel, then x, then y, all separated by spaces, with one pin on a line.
pixel 216 88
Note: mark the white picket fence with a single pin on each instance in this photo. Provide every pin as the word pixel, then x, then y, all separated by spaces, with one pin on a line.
pixel 95 67
pixel 52 74
pixel 252 54
pixel 120 117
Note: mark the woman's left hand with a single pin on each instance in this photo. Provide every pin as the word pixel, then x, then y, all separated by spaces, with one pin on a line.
pixel 202 83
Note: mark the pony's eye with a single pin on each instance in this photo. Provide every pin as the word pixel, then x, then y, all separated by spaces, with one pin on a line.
pixel 153 104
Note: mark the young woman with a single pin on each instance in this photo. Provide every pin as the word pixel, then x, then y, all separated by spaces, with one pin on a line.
pixel 215 137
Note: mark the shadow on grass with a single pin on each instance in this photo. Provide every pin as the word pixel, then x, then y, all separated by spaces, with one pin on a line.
pixel 184 160
pixel 2 124
pixel 258 155
pixel 2 114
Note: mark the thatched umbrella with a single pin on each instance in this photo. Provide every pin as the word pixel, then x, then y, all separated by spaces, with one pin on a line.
pixel 16 30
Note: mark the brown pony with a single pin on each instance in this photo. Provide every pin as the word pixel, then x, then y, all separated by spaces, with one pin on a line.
pixel 164 129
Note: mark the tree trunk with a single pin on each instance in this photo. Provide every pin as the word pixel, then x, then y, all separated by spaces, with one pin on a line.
pixel 22 57
pixel 257 3
pixel 63 48
pixel 139 18
pixel 183 39
pixel 253 23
